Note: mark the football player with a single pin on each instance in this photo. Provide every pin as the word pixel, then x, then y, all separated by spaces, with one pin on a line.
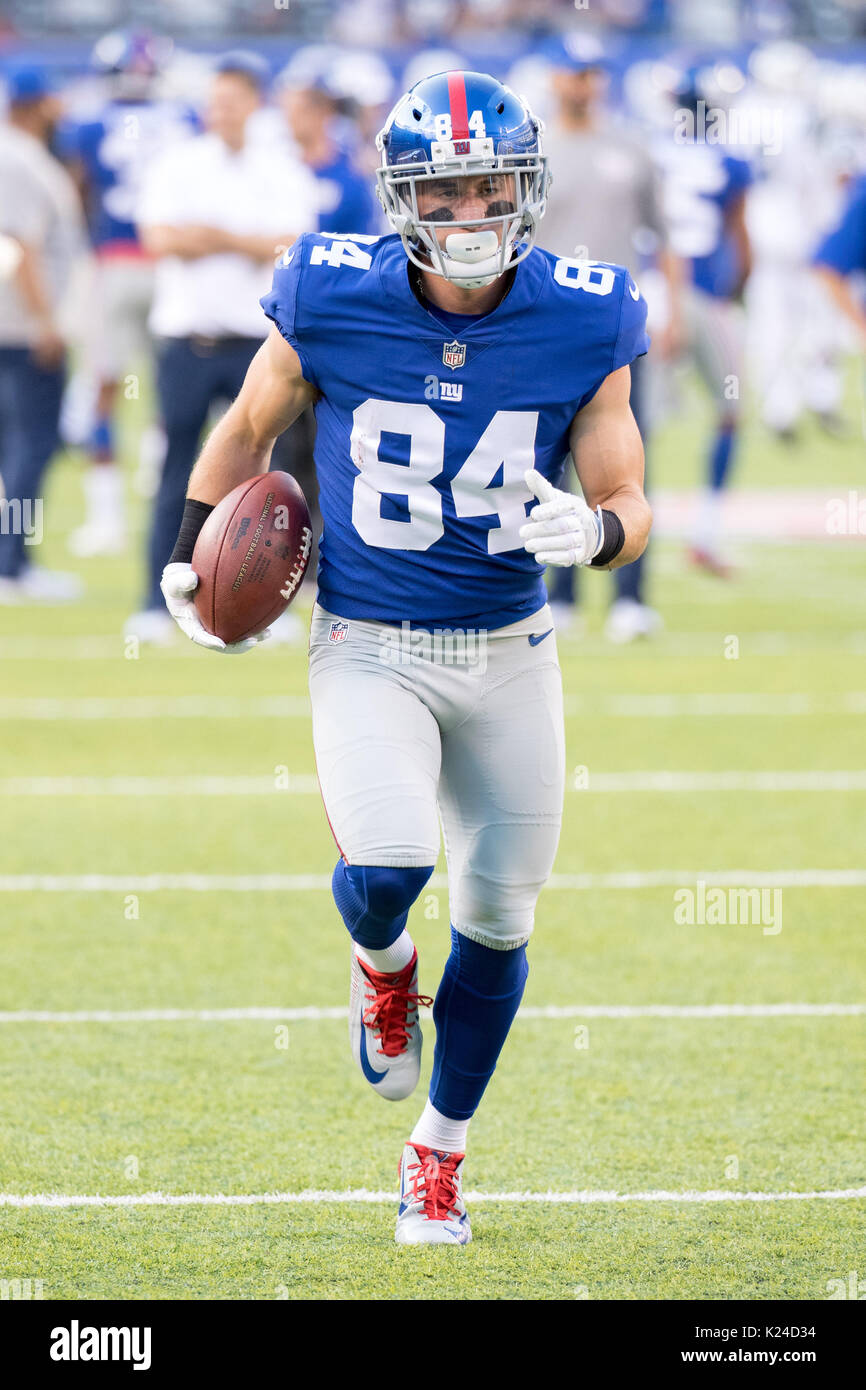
pixel 453 365
pixel 108 155
pixel 705 203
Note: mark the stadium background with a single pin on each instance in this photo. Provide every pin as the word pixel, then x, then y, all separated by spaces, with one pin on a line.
pixel 174 973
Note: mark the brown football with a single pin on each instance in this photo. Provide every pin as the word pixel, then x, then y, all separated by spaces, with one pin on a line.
pixel 251 555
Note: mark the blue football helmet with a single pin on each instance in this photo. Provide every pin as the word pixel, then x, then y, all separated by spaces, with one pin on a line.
pixel 459 125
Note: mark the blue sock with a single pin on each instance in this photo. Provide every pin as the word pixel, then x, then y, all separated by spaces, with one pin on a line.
pixel 101 438
pixel 475 1004
pixel 720 456
pixel 374 901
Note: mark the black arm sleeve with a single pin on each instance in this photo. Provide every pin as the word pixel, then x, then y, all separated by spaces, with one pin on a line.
pixel 614 539
pixel 195 514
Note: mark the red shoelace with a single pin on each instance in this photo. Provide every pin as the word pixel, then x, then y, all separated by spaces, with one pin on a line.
pixel 434 1182
pixel 393 1009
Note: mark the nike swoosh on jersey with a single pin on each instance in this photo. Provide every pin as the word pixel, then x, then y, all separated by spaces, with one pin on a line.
pixel 634 291
pixel 536 637
pixel 373 1076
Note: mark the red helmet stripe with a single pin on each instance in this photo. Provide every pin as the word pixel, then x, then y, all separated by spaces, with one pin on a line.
pixel 457 102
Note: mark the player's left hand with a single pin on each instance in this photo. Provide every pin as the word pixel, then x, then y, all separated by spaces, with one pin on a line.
pixel 562 530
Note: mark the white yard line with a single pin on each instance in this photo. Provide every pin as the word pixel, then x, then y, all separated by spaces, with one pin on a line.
pixel 316 1013
pixel 358 1195
pixel 308 883
pixel 114 646
pixel 627 706
pixel 306 784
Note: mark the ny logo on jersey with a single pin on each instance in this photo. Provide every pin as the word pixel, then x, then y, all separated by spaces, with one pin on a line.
pixel 339 632
pixel 454 354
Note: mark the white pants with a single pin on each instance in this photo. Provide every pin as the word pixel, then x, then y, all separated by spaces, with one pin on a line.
pixel 408 729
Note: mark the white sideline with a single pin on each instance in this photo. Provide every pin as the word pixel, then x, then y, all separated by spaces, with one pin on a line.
pixel 665 706
pixel 364 1195
pixel 306 784
pixel 310 883
pixel 315 1013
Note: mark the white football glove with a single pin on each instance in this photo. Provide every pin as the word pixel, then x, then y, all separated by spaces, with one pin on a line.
pixel 562 530
pixel 179 582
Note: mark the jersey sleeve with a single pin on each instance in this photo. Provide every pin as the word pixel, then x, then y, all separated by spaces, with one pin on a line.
pixel 740 176
pixel 632 339
pixel 283 304
pixel 844 248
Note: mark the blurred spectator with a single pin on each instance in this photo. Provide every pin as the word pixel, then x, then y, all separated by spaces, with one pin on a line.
pixel 214 211
pixel 108 156
pixel 40 209
pixel 604 204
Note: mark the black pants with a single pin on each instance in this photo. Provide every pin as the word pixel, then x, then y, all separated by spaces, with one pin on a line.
pixel 191 374
pixel 628 579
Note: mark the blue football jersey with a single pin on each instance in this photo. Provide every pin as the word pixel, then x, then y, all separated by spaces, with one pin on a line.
pixel 424 437
pixel 115 150
pixel 701 182
pixel 844 247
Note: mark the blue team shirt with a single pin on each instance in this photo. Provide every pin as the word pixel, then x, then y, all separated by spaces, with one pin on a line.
pixel 844 248
pixel 424 437
pixel 346 200
pixel 115 150
pixel 702 183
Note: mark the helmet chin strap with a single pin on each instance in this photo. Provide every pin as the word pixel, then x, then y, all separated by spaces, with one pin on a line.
pixel 472 259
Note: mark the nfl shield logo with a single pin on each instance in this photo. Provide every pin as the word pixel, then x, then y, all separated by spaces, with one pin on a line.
pixel 339 632
pixel 454 354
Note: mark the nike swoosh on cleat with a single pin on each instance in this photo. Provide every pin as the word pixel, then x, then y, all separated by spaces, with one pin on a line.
pixel 537 637
pixel 373 1076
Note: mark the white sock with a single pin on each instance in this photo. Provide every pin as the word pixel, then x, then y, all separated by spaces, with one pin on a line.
pixel 103 493
pixel 436 1131
pixel 708 521
pixel 394 957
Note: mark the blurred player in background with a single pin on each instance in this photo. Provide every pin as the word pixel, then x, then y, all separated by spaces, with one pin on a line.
pixel 108 155
pixel 316 115
pixel 41 211
pixel 705 206
pixel 793 333
pixel 214 211
pixel 841 258
pixel 605 205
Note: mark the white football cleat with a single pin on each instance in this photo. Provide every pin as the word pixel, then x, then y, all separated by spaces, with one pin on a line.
pixel 432 1210
pixel 383 1027
pixel 628 620
pixel 94 539
pixel 155 627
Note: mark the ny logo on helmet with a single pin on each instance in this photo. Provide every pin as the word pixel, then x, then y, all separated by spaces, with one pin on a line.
pixel 454 354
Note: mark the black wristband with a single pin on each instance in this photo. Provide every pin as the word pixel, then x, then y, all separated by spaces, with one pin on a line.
pixel 195 514
pixel 614 540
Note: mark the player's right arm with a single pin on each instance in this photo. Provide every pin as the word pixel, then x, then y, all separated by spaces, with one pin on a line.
pixel 272 397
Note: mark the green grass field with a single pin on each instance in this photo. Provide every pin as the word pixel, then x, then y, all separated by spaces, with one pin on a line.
pixel 584 1100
